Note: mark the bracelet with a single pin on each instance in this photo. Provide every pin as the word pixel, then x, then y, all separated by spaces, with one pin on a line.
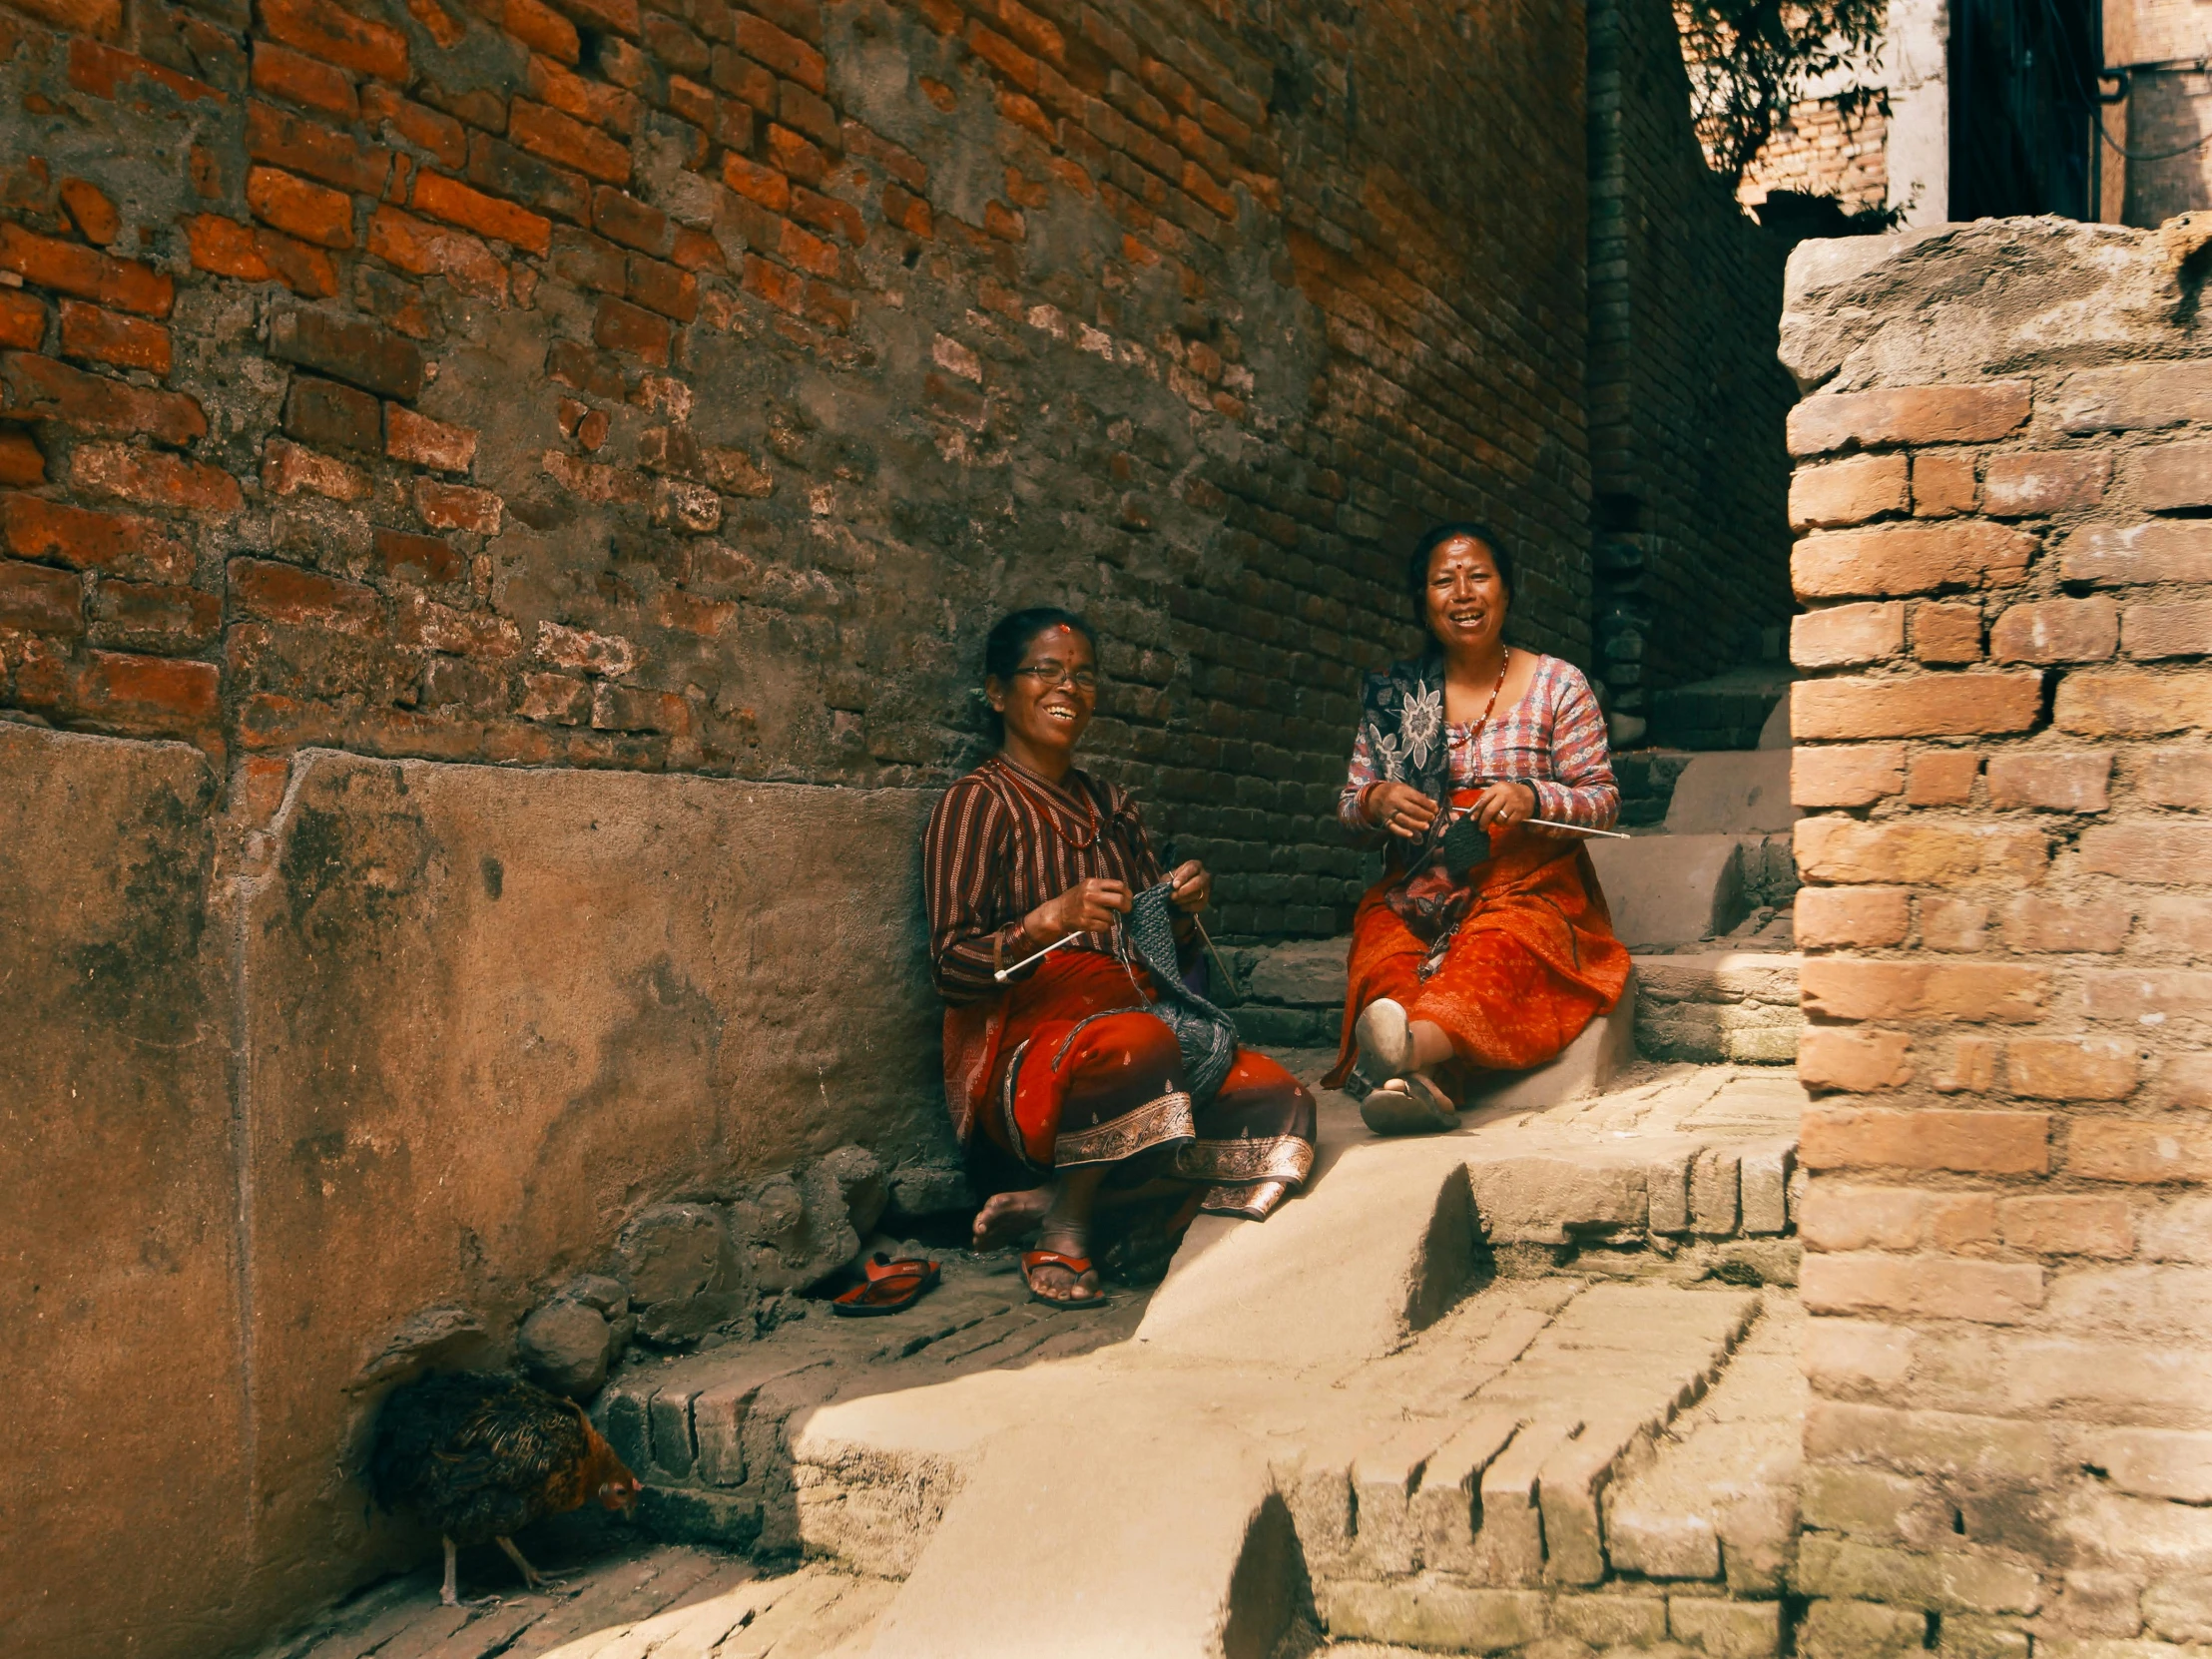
pixel 1360 803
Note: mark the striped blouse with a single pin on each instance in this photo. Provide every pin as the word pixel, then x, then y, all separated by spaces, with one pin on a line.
pixel 1553 740
pixel 1001 842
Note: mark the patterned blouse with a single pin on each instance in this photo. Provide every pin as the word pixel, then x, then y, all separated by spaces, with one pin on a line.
pixel 1553 740
pixel 1003 841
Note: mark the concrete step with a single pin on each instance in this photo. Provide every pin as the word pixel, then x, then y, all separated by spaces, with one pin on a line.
pixel 1733 792
pixel 1411 1390
pixel 1588 1065
pixel 1715 1005
pixel 1670 891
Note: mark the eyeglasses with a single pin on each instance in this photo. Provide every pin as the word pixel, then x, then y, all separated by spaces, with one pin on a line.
pixel 1050 675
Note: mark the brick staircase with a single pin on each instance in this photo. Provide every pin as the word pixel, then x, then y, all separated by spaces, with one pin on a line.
pixel 1529 1387
pixel 1473 1393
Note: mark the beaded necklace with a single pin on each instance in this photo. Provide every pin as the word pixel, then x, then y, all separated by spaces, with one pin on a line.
pixel 1503 663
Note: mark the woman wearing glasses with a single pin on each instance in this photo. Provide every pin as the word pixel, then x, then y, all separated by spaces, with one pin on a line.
pixel 1061 1067
pixel 1487 944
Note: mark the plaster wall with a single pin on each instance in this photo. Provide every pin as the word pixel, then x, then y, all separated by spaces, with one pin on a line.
pixel 294 1107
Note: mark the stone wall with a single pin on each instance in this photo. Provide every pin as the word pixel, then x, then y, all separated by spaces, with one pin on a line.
pixel 295 1104
pixel 688 388
pixel 1686 407
pixel 2001 744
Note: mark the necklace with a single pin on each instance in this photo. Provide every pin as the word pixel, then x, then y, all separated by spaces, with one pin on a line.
pixel 1066 823
pixel 1505 662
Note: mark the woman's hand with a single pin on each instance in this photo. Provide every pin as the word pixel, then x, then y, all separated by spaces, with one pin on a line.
pixel 1503 805
pixel 1194 886
pixel 1401 808
pixel 1089 907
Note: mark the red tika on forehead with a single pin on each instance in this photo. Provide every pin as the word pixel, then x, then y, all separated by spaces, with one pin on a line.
pixel 1056 638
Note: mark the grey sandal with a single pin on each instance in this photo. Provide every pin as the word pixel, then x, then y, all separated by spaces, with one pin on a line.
pixel 1422 1108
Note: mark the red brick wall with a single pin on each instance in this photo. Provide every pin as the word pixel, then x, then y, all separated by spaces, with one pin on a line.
pixel 2001 747
pixel 1686 401
pixel 1820 150
pixel 689 386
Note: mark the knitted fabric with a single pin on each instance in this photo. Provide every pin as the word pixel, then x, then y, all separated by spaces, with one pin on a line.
pixel 1206 1035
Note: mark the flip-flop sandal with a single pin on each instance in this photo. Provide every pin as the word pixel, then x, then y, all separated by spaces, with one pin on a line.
pixel 1421 1109
pixel 1077 1265
pixel 888 1287
pixel 1385 1035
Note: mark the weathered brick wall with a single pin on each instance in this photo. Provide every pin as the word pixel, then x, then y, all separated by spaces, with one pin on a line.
pixel 2164 122
pixel 679 391
pixel 1822 149
pixel 1686 402
pixel 688 388
pixel 2165 115
pixel 2002 750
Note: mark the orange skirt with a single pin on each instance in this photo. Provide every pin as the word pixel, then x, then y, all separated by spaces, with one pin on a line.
pixel 1086 1074
pixel 1531 962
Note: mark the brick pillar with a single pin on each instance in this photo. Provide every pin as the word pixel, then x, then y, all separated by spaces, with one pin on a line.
pixel 2001 744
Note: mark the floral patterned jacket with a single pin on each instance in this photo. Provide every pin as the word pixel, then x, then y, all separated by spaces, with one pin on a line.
pixel 1553 740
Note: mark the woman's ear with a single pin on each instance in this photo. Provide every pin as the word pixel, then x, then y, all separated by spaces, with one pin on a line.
pixel 994 693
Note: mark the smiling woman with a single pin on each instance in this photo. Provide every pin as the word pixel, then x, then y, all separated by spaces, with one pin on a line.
pixel 1487 944
pixel 1073 1078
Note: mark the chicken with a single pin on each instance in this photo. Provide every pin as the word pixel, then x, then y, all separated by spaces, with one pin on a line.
pixel 480 1456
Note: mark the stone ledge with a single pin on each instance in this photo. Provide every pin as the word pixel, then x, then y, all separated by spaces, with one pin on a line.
pixel 1721 1006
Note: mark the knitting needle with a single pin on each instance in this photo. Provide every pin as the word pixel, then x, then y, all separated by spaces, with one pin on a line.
pixel 1216 954
pixel 1006 973
pixel 1578 828
pixel 1554 823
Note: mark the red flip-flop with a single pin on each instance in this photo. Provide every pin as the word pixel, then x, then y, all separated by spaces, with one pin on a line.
pixel 1077 1265
pixel 888 1287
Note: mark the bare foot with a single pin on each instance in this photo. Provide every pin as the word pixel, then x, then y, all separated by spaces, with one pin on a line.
pixel 1007 1216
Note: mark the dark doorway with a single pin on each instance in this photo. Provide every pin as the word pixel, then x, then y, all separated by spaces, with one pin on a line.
pixel 2023 107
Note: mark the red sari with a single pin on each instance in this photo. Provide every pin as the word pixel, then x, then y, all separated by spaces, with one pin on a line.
pixel 1530 961
pixel 1063 1065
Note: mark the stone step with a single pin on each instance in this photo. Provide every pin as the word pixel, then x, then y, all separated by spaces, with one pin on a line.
pixel 1711 1005
pixel 1413 1389
pixel 1588 1065
pixel 1733 792
pixel 1312 972
pixel 1671 890
pixel 1293 994
pixel 1646 779
pixel 1716 1005
pixel 1717 1501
